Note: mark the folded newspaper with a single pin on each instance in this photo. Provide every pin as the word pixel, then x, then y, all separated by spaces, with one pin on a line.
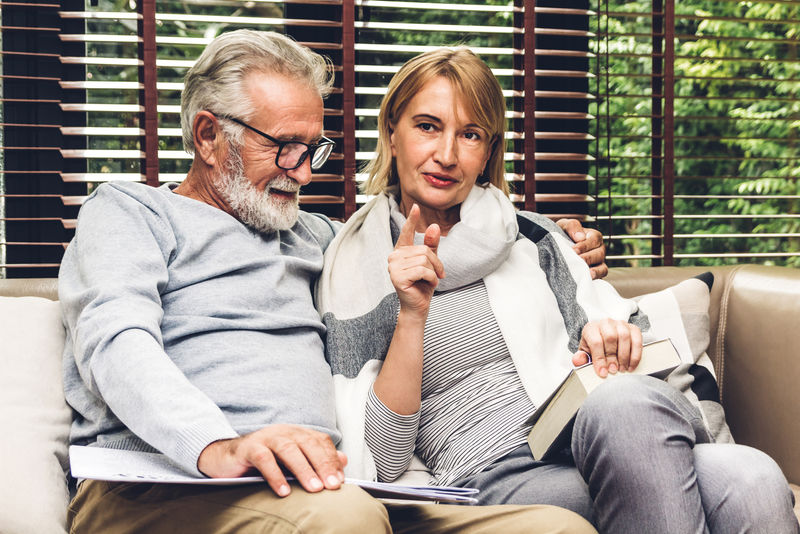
pixel 114 465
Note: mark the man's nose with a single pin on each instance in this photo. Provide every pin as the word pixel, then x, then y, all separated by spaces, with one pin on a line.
pixel 302 174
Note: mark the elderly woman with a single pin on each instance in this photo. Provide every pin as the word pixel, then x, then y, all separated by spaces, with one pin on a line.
pixel 480 314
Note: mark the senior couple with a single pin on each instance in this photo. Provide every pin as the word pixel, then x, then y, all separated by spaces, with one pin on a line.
pixel 195 329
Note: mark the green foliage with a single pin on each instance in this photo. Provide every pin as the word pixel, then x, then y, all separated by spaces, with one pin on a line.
pixel 736 131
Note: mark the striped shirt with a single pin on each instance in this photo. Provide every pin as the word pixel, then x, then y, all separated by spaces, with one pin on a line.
pixel 474 407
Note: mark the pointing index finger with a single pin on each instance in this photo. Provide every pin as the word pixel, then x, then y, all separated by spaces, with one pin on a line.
pixel 406 237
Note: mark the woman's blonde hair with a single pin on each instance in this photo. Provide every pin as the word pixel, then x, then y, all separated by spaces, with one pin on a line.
pixel 480 93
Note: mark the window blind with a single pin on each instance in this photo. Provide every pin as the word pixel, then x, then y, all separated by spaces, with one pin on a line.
pixel 697 128
pixel 674 126
pixel 547 139
pixel 112 75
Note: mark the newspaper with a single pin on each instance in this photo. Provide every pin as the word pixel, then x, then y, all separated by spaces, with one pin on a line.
pixel 115 465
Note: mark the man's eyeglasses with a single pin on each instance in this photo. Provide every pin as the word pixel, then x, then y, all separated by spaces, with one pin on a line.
pixel 292 154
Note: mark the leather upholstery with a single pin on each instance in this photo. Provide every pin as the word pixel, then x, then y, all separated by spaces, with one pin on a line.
pixel 755 310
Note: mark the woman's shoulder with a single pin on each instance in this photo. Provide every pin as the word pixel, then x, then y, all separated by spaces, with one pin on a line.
pixel 536 226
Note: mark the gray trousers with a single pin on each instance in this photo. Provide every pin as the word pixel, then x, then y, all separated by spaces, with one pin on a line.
pixel 642 463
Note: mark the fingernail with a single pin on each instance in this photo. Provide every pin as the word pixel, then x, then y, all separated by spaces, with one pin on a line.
pixel 603 372
pixel 315 483
pixel 580 236
pixel 283 491
pixel 612 368
pixel 333 480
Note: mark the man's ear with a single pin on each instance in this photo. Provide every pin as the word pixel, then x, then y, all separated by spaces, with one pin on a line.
pixel 208 138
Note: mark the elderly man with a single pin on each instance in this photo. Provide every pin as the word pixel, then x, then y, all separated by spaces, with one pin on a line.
pixel 192 331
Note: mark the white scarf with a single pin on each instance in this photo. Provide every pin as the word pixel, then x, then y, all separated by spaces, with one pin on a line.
pixel 540 291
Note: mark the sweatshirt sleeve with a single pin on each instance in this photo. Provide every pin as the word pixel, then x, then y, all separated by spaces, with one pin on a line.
pixel 110 286
pixel 391 438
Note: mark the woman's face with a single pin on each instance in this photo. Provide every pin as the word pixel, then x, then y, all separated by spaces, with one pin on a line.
pixel 438 149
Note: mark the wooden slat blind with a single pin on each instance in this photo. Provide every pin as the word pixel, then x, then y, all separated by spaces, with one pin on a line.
pixel 673 124
pixel 697 120
pixel 383 44
pixel 563 94
pixel 98 99
pixel 116 72
pixel 31 210
pixel 167 45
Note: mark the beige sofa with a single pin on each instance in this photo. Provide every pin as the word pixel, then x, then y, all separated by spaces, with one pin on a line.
pixel 753 314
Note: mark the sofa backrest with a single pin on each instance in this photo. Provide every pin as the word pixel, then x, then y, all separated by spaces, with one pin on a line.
pixel 29 287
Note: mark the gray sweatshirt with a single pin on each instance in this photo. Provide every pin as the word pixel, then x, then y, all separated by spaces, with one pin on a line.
pixel 184 326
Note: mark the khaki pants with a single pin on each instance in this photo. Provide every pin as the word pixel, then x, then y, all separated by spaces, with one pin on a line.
pixel 104 507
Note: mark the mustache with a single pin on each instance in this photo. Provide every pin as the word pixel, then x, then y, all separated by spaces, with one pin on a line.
pixel 283 183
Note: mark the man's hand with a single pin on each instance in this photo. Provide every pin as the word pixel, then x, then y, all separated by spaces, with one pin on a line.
pixel 588 244
pixel 307 454
pixel 415 270
pixel 613 346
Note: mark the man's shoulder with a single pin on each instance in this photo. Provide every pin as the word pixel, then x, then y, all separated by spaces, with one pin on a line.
pixel 124 193
pixel 321 227
pixel 125 205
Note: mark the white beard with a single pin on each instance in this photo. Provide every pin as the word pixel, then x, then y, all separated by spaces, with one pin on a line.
pixel 257 209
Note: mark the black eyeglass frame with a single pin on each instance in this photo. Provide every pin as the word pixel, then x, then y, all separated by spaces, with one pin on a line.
pixel 310 148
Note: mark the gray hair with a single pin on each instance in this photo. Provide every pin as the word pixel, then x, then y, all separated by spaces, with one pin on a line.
pixel 214 83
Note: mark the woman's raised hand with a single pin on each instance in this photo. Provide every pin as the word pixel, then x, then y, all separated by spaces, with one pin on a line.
pixel 612 344
pixel 415 270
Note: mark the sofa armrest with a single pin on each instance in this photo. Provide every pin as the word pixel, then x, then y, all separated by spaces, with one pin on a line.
pixel 759 368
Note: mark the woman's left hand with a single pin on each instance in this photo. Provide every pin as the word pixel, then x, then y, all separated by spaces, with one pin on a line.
pixel 612 344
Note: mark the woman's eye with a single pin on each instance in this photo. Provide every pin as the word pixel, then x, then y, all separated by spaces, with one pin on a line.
pixel 425 126
pixel 472 136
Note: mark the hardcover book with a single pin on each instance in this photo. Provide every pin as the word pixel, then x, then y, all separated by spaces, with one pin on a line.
pixel 552 423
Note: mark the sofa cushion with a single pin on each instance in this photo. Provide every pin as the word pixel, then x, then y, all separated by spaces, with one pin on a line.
pixel 34 417
pixel 680 312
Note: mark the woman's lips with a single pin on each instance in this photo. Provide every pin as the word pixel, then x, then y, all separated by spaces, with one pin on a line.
pixel 439 180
